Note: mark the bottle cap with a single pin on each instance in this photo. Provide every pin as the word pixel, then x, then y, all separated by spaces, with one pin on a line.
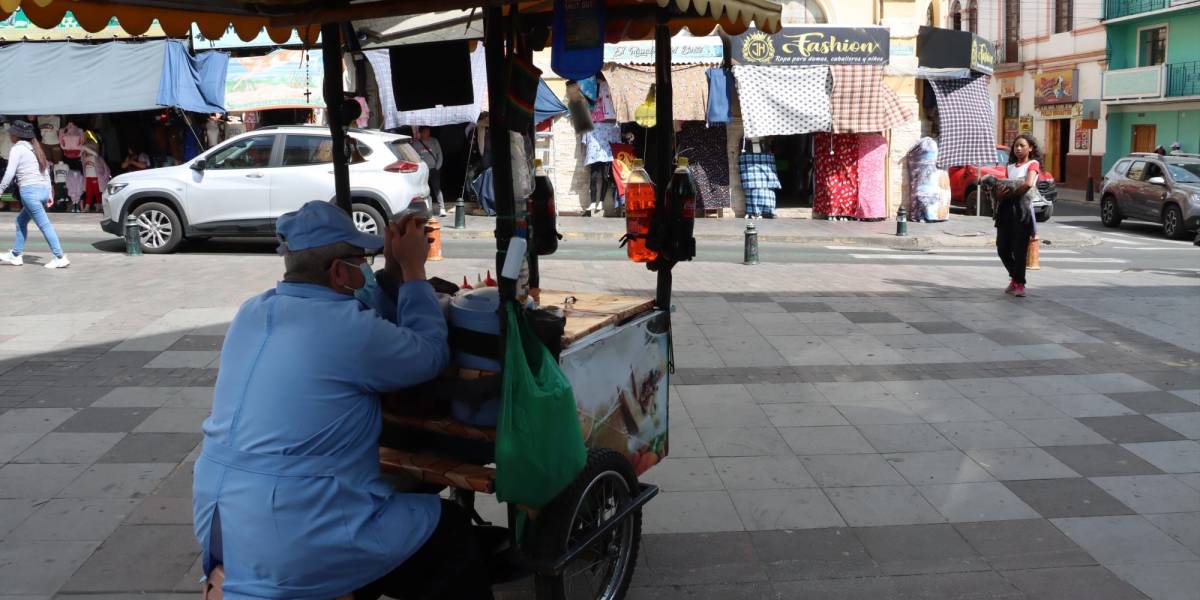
pixel 681 161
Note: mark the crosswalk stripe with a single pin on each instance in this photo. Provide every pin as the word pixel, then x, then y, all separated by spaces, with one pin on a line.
pixel 1117 241
pixel 991 251
pixel 861 249
pixel 1094 271
pixel 948 257
pixel 1153 248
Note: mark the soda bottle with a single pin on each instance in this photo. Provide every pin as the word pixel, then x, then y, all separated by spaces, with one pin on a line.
pixel 542 213
pixel 681 202
pixel 639 212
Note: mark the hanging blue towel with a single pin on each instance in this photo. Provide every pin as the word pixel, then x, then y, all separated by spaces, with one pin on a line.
pixel 720 96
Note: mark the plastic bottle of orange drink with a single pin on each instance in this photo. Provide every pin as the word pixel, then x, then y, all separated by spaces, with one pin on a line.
pixel 639 211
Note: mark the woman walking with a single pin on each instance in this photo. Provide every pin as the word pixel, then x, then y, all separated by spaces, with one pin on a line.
pixel 1014 216
pixel 27 163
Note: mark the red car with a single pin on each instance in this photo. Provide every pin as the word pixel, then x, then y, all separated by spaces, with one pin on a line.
pixel 963 191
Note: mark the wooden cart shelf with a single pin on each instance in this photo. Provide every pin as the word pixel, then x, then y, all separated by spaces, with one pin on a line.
pixel 589 312
pixel 438 470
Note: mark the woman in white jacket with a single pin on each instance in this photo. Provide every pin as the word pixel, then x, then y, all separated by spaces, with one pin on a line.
pixel 27 163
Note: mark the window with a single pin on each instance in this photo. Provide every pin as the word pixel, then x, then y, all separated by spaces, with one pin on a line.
pixel 973 16
pixel 1064 15
pixel 956 16
pixel 1121 167
pixel 1012 30
pixel 301 150
pixel 1137 170
pixel 403 150
pixel 1152 170
pixel 803 11
pixel 1152 46
pixel 247 153
pixel 1184 172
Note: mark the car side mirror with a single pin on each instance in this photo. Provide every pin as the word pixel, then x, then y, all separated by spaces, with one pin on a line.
pixel 1157 181
pixel 199 165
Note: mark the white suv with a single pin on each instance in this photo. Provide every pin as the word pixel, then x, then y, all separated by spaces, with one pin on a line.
pixel 239 188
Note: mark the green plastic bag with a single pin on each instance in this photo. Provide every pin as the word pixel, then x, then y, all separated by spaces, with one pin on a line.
pixel 539 442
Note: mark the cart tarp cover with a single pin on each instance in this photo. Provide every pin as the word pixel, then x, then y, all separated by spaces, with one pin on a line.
pixel 71 79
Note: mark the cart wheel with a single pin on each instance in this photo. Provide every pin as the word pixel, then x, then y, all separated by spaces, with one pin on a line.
pixel 602 571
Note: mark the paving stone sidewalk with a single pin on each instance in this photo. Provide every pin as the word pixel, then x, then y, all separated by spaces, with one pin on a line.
pixel 836 431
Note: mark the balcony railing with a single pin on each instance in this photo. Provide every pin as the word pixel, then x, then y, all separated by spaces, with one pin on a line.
pixel 1183 79
pixel 1115 9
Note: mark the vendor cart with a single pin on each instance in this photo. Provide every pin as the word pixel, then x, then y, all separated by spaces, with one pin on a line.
pixel 615 350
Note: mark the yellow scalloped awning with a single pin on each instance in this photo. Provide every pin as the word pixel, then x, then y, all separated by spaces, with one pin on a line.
pixel 279 17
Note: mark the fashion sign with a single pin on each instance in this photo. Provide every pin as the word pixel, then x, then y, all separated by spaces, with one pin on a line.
pixel 818 45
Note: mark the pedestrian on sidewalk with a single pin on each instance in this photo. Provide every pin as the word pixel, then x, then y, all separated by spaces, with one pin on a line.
pixel 27 163
pixel 431 152
pixel 1014 215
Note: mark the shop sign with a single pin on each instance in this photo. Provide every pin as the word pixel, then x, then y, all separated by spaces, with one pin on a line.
pixel 1090 110
pixel 18 27
pixel 814 45
pixel 1010 87
pixel 1027 125
pixel 684 51
pixel 1060 111
pixel 983 55
pixel 281 79
pixel 1082 138
pixel 1059 86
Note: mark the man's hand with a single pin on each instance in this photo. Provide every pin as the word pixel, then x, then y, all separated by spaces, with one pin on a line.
pixel 406 248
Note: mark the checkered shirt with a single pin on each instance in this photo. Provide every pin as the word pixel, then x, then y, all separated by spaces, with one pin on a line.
pixel 862 103
pixel 757 171
pixel 967 120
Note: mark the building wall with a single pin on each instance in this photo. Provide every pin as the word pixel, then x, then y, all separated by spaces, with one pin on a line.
pixel 1179 123
pixel 1183 38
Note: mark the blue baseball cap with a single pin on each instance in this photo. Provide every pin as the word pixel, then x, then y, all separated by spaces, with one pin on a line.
pixel 319 223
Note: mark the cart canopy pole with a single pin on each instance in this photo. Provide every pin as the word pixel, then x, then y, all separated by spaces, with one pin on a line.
pixel 502 177
pixel 331 55
pixel 664 131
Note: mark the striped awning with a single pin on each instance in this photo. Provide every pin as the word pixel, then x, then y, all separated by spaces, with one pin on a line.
pixel 248 18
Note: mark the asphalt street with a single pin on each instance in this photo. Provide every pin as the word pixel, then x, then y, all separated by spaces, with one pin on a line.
pixel 1132 247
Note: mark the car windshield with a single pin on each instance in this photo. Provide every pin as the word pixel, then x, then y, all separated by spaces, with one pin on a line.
pixel 1184 172
pixel 1001 156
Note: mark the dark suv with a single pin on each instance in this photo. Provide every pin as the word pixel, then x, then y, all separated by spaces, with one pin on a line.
pixel 1150 187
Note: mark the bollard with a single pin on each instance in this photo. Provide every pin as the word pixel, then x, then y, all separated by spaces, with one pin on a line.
pixel 750 255
pixel 1090 196
pixel 434 230
pixel 133 236
pixel 902 222
pixel 460 214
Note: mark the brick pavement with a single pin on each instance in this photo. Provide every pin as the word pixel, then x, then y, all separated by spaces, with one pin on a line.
pixel 840 431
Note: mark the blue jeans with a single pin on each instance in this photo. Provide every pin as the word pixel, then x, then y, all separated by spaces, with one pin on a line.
pixel 34 198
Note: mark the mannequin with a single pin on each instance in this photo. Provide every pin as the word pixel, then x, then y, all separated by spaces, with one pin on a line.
pixel 61 197
pixel 212 130
pixel 49 126
pixel 71 140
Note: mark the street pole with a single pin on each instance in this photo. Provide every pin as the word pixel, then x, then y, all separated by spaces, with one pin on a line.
pixel 331 54
pixel 1090 195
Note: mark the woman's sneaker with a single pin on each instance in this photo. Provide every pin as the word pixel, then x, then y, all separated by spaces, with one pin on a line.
pixel 59 263
pixel 1019 291
pixel 13 259
pixel 1012 286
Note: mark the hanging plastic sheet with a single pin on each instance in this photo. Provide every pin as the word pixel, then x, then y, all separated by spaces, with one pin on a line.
pixel 966 118
pixel 759 182
pixel 861 102
pixel 784 100
pixel 629 86
pixel 433 117
pixel 720 96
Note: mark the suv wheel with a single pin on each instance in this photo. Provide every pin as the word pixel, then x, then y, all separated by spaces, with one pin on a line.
pixel 367 219
pixel 1109 215
pixel 1044 215
pixel 161 230
pixel 1173 223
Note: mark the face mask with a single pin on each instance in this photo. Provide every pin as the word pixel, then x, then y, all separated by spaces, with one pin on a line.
pixel 366 293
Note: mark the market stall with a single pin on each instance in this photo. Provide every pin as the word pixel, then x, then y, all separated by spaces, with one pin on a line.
pixel 814 103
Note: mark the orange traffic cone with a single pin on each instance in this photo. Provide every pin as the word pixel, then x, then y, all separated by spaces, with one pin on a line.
pixel 1033 260
pixel 433 229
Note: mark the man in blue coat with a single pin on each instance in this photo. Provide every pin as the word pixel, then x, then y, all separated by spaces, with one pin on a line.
pixel 288 495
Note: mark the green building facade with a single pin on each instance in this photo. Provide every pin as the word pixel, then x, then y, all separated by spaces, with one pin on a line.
pixel 1152 85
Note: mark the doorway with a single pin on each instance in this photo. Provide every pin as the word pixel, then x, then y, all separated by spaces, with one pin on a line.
pixel 1143 138
pixel 1058 143
pixel 794 164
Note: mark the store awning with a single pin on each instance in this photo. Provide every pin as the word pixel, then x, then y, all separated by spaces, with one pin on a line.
pixel 280 17
pixel 63 78
pixel 420 29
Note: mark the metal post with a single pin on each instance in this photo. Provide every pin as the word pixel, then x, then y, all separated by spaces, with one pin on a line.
pixel 331 55
pixel 1090 194
pixel 494 25
pixel 460 214
pixel 750 251
pixel 133 237
pixel 664 132
pixel 902 221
